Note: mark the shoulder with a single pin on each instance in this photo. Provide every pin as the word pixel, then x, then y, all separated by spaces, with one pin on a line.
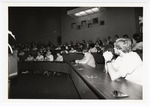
pixel 133 54
pixel 133 57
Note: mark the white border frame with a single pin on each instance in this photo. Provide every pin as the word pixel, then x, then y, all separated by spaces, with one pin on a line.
pixel 71 102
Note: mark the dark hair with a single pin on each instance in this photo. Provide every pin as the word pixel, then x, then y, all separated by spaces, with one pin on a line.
pixel 30 54
pixel 85 50
pixel 63 47
pixel 91 45
pixel 108 47
pixel 116 36
pixel 137 37
pixel 125 36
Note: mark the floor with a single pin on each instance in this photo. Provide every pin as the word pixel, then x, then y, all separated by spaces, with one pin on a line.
pixel 39 86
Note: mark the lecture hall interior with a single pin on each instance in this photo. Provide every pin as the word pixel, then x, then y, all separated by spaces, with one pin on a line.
pixel 47 47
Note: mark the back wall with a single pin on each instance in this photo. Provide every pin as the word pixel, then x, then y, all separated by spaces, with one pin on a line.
pixel 117 20
pixel 35 23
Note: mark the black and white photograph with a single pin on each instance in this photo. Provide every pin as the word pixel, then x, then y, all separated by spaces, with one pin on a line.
pixel 42 68
pixel 50 56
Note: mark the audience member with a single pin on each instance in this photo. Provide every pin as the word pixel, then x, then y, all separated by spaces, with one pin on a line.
pixel 29 58
pixel 125 36
pixel 87 59
pixel 49 56
pixel 64 51
pixel 109 40
pixel 108 48
pixel 98 47
pixel 21 53
pixel 127 65
pixel 40 57
pixel 92 49
pixel 72 50
pixel 116 37
pixel 59 57
pixel 137 42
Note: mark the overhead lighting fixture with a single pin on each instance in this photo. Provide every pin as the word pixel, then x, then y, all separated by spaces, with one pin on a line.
pixel 89 11
pixel 78 14
pixel 83 13
pixel 95 9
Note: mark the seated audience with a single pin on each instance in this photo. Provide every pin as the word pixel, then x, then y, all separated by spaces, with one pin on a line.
pixel 127 65
pixel 87 59
pixel 137 42
pixel 59 57
pixel 29 58
pixel 40 57
pixel 49 56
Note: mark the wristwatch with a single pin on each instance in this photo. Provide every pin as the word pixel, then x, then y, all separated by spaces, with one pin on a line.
pixel 109 61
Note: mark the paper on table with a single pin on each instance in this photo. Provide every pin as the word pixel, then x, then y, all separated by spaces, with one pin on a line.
pixel 119 94
pixel 80 68
pixel 91 76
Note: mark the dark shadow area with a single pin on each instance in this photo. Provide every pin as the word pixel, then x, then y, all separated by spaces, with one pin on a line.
pixel 39 86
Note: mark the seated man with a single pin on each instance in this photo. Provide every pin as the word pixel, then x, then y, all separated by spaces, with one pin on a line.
pixel 21 53
pixel 49 56
pixel 59 57
pixel 64 51
pixel 87 59
pixel 72 50
pixel 40 57
pixel 127 65
pixel 29 58
pixel 92 49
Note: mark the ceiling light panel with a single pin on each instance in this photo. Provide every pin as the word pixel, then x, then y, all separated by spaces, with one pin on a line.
pixel 95 9
pixel 89 11
pixel 77 14
pixel 83 13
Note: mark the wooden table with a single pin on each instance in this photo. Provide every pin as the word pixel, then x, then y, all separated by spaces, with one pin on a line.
pixel 43 66
pixel 91 83
pixel 100 83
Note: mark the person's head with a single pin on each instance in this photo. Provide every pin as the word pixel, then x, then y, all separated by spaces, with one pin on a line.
pixel 84 50
pixel 109 48
pixel 137 38
pixel 122 45
pixel 109 38
pixel 48 53
pixel 104 40
pixel 125 36
pixel 38 53
pixel 30 55
pixel 92 45
pixel 58 54
pixel 72 48
pixel 63 47
pixel 116 36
